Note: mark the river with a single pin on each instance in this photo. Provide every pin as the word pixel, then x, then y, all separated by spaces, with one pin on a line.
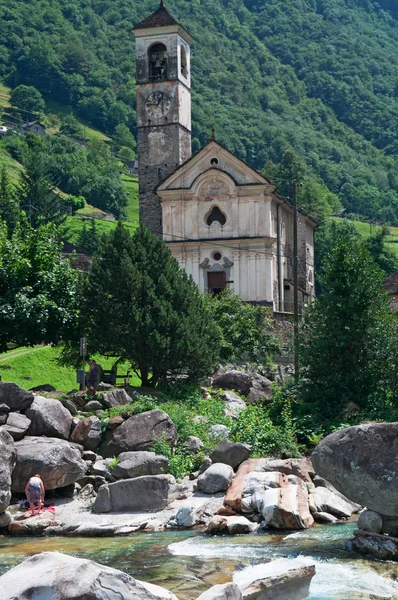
pixel 187 563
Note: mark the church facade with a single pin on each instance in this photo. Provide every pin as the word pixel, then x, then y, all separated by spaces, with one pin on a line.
pixel 222 220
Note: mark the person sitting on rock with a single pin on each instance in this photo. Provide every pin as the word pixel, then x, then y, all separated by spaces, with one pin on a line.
pixel 34 491
pixel 93 377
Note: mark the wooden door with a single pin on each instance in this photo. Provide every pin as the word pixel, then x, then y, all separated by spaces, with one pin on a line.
pixel 216 281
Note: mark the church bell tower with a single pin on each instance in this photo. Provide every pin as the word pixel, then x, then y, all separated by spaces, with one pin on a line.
pixel 163 106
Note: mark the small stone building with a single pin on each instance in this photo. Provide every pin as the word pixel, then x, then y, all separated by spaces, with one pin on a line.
pixel 222 220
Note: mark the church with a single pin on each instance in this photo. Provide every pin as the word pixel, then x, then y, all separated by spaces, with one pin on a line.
pixel 223 221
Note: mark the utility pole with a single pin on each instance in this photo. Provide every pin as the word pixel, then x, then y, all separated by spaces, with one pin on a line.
pixel 295 284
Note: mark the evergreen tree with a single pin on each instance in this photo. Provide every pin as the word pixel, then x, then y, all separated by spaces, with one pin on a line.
pixel 348 334
pixel 9 210
pixel 38 197
pixel 139 305
pixel 89 238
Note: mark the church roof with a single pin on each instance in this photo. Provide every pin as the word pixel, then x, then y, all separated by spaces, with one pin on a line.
pixel 160 18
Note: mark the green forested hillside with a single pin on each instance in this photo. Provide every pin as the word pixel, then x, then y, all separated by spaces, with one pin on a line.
pixel 318 76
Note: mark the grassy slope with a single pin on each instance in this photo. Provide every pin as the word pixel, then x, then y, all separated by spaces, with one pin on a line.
pixel 367 229
pixel 75 223
pixel 35 366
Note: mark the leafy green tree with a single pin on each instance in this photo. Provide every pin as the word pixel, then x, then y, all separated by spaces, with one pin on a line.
pixel 9 209
pixel 27 99
pixel 37 287
pixel 37 196
pixel 137 304
pixel 383 257
pixel 71 126
pixel 246 330
pixel 347 333
pixel 328 236
pixel 123 137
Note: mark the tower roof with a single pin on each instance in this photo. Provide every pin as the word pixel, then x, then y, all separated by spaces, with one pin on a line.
pixel 160 18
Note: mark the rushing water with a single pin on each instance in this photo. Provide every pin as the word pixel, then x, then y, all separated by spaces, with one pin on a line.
pixel 187 563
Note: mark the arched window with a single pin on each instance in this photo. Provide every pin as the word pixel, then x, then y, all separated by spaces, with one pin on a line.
pixel 157 56
pixel 216 216
pixel 184 62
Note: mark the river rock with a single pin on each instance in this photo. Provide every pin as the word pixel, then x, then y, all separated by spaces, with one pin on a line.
pixel 116 397
pixel 193 444
pixel 92 406
pixel 281 500
pixel 327 501
pixel 8 457
pixel 324 518
pixel 187 516
pixel 16 398
pixel 137 464
pixel 233 404
pixel 231 525
pixel 321 482
pixel 140 432
pixel 148 493
pixel 362 463
pixel 233 380
pixel 230 453
pixel 379 546
pixel 102 468
pixel 281 579
pixel 17 425
pixel 226 591
pixel 48 417
pixel 5 519
pixel 35 525
pixel 87 433
pixel 57 461
pixel 370 521
pixel 216 478
pixel 55 575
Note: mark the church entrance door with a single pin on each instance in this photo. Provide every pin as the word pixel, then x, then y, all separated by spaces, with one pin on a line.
pixel 216 281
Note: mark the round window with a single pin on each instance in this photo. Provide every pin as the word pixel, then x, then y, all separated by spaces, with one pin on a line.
pixel 217 255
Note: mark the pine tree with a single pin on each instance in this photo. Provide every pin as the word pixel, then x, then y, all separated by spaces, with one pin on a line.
pixel 89 238
pixel 139 305
pixel 9 210
pixel 38 197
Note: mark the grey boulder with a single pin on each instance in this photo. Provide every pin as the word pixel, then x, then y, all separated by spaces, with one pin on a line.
pixel 14 397
pixel 233 380
pixel 58 462
pixel 87 433
pixel 193 444
pixel 147 493
pixel 55 575
pixel 137 464
pixel 362 463
pixel 116 397
pixel 8 457
pixel 226 591
pixel 17 425
pixel 327 501
pixel 216 478
pixel 140 432
pixel 48 417
pixel 370 521
pixel 230 453
pixel 233 404
pixel 218 432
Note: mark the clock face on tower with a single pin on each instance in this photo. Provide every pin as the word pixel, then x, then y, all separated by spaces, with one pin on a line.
pixel 157 105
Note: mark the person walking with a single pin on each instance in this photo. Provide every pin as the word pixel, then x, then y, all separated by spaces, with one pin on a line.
pixel 35 492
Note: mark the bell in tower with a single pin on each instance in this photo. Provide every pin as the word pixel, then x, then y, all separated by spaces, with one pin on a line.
pixel 163 106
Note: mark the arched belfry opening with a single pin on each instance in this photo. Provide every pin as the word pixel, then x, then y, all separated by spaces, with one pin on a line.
pixel 184 62
pixel 157 56
pixel 216 216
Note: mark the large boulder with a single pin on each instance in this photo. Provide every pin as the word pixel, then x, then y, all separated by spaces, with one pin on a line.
pixel 225 591
pixel 254 386
pixel 233 404
pixel 14 397
pixel 216 478
pixel 281 500
pixel 234 525
pixel 116 397
pixel 137 464
pixel 140 432
pixel 87 433
pixel 48 417
pixel 329 502
pixel 8 457
pixel 148 493
pixel 57 461
pixel 230 453
pixel 362 463
pixel 17 425
pixel 55 575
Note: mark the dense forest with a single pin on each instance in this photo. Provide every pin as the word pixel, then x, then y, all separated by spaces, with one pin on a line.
pixel 317 77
